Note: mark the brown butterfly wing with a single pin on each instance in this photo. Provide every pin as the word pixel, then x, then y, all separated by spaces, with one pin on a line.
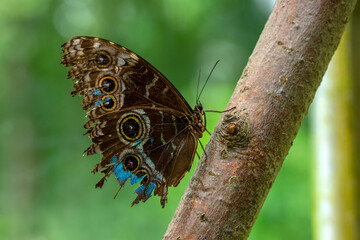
pixel 93 58
pixel 124 92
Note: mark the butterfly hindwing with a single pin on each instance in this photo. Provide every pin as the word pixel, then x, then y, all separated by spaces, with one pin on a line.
pixel 154 138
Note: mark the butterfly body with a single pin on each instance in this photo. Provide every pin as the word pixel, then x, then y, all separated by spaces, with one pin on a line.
pixel 142 125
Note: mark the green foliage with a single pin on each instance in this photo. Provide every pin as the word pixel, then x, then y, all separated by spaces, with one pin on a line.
pixel 47 190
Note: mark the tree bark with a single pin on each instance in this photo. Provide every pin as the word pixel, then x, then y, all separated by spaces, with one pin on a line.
pixel 271 99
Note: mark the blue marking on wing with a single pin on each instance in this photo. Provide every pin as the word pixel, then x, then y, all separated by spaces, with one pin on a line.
pixel 123 175
pixel 135 179
pixel 97 103
pixel 137 142
pixel 140 189
pixel 149 189
pixel 152 140
pixel 107 99
pixel 95 92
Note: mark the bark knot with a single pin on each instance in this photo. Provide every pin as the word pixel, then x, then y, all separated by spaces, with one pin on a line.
pixel 234 131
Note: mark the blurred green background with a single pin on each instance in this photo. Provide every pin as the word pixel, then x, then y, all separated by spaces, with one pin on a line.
pixel 46 188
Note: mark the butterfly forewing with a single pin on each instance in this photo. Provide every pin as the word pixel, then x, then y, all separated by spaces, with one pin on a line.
pixel 137 119
pixel 143 83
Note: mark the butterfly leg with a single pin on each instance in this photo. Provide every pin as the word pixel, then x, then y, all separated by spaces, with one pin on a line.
pixel 202 146
pixel 208 131
pixel 215 111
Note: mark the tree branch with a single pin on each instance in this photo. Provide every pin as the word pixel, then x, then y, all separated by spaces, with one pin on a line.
pixel 249 144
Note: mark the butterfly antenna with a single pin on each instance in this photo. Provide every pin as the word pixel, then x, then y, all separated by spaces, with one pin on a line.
pixel 197 88
pixel 207 79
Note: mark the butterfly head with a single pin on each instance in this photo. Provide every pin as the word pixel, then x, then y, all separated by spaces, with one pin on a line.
pixel 199 108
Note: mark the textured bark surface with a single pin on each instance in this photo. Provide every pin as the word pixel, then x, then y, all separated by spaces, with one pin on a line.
pixel 249 144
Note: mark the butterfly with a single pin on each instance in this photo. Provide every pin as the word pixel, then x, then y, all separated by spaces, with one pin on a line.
pixel 145 130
